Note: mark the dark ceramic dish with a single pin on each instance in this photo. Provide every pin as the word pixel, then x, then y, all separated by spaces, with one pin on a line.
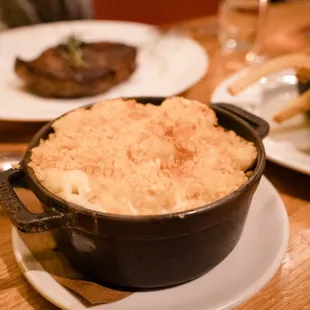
pixel 141 251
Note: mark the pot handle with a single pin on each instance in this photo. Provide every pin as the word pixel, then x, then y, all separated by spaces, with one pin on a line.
pixel 19 215
pixel 257 123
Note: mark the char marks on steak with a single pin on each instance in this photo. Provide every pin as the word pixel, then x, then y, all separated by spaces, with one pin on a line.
pixel 52 74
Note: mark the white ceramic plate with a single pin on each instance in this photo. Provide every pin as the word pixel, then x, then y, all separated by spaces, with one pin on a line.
pixel 167 65
pixel 244 272
pixel 287 144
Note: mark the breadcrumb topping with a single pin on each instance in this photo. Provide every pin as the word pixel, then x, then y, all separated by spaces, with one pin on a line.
pixel 123 157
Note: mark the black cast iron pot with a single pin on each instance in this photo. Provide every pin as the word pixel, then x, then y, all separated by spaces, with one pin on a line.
pixel 141 251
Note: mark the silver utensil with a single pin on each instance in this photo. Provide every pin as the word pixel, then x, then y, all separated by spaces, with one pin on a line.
pixel 9 158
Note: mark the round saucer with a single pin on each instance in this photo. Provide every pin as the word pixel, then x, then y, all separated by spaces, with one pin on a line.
pixel 252 263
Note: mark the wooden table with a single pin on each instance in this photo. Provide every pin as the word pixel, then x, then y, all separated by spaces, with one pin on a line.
pixel 290 287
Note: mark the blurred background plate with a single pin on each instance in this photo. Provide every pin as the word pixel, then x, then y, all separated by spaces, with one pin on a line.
pixel 167 64
pixel 287 144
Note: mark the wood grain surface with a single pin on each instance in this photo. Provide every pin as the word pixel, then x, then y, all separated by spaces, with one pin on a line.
pixel 290 287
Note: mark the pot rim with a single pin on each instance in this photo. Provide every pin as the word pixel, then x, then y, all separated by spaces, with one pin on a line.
pixel 68 207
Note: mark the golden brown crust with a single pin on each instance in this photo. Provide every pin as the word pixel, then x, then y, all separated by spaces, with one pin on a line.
pixel 142 159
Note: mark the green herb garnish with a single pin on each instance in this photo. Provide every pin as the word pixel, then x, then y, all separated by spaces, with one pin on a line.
pixel 73 52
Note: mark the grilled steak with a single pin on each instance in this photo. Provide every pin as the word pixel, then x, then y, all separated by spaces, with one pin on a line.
pixel 77 69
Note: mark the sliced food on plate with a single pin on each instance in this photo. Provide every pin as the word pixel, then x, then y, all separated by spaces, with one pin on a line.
pixel 75 69
pixel 300 62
